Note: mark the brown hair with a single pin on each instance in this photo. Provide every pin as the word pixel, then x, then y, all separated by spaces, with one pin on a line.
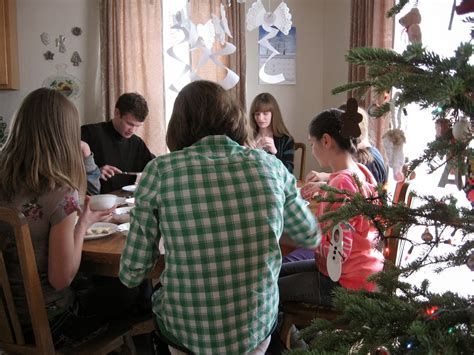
pixel 265 102
pixel 202 109
pixel 42 151
pixel 134 104
pixel 330 122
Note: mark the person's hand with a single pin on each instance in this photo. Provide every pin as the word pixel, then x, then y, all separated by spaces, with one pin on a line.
pixel 86 150
pixel 314 176
pixel 267 144
pixel 108 171
pixel 310 189
pixel 87 217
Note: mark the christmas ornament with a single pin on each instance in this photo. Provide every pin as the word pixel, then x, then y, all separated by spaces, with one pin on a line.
pixel 427 236
pixel 411 22
pixel 381 350
pixel 48 55
pixel 394 139
pixel 60 42
pixel 462 130
pixel 350 120
pixel 334 258
pixel 465 7
pixel 279 20
pixel 44 38
pixel 470 262
pixel 76 59
pixel 442 127
pixel 76 31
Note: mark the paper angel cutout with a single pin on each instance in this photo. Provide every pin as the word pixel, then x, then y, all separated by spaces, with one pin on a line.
pixel 279 20
pixel 202 37
pixel 221 26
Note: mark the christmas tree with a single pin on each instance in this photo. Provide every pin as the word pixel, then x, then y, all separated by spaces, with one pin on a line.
pixel 404 318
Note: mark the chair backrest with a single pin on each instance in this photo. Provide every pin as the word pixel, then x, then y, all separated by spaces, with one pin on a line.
pixel 11 334
pixel 393 243
pixel 302 146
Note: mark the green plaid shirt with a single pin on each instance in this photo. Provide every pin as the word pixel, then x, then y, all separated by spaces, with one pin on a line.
pixel 221 209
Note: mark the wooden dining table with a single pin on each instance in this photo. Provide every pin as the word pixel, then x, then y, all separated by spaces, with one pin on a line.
pixel 102 256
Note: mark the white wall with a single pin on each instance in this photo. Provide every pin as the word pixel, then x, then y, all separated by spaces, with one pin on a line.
pixel 56 17
pixel 322 40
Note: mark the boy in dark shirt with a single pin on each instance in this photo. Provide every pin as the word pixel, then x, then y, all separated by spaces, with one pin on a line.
pixel 115 146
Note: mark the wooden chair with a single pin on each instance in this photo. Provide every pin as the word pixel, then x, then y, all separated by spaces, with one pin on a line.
pixel 11 334
pixel 302 314
pixel 302 146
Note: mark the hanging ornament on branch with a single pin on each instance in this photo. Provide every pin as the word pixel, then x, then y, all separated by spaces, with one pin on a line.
pixel 393 141
pixel 411 21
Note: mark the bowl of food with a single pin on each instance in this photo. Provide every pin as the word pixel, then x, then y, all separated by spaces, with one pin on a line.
pixel 102 202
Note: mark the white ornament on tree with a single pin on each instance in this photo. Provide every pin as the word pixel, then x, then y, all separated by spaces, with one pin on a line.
pixel 334 258
pixel 462 130
pixel 393 141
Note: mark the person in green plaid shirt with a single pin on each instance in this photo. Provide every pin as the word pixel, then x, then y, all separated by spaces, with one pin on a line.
pixel 221 209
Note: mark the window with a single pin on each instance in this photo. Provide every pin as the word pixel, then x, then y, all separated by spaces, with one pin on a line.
pixel 437 38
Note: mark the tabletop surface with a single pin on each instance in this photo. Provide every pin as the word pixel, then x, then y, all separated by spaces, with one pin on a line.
pixel 102 256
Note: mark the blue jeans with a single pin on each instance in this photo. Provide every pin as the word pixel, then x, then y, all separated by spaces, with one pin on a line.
pixel 301 281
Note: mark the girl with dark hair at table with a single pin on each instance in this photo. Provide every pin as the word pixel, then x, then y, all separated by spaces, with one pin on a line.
pixel 309 280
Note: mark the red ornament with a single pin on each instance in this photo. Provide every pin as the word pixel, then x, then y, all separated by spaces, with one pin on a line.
pixel 432 310
pixel 465 7
pixel 381 350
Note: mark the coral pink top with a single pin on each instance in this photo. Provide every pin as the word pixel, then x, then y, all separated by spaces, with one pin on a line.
pixel 360 257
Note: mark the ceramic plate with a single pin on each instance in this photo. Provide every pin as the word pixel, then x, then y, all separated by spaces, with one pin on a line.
pixel 120 201
pixel 130 201
pixel 124 227
pixel 123 210
pixel 129 188
pixel 100 230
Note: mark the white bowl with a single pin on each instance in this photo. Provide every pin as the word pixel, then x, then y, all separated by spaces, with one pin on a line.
pixel 102 202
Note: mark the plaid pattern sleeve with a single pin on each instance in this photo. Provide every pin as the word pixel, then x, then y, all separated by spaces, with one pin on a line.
pixel 141 247
pixel 222 209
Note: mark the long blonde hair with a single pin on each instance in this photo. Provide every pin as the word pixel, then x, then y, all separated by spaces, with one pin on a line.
pixel 42 151
pixel 265 102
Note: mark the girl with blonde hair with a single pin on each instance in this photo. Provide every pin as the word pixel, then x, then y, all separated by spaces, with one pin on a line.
pixel 269 130
pixel 42 170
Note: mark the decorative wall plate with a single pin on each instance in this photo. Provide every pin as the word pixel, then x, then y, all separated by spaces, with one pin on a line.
pixel 65 83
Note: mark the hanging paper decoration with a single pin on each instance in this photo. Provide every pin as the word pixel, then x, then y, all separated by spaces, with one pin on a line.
pixel 202 37
pixel 279 20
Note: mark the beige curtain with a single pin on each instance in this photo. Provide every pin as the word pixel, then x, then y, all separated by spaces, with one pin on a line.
pixel 132 61
pixel 370 28
pixel 200 12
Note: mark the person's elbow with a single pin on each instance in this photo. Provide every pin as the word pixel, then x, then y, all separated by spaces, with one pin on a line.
pixel 60 281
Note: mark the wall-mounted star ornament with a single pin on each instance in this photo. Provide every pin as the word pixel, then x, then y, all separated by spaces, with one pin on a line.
pixel 48 55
